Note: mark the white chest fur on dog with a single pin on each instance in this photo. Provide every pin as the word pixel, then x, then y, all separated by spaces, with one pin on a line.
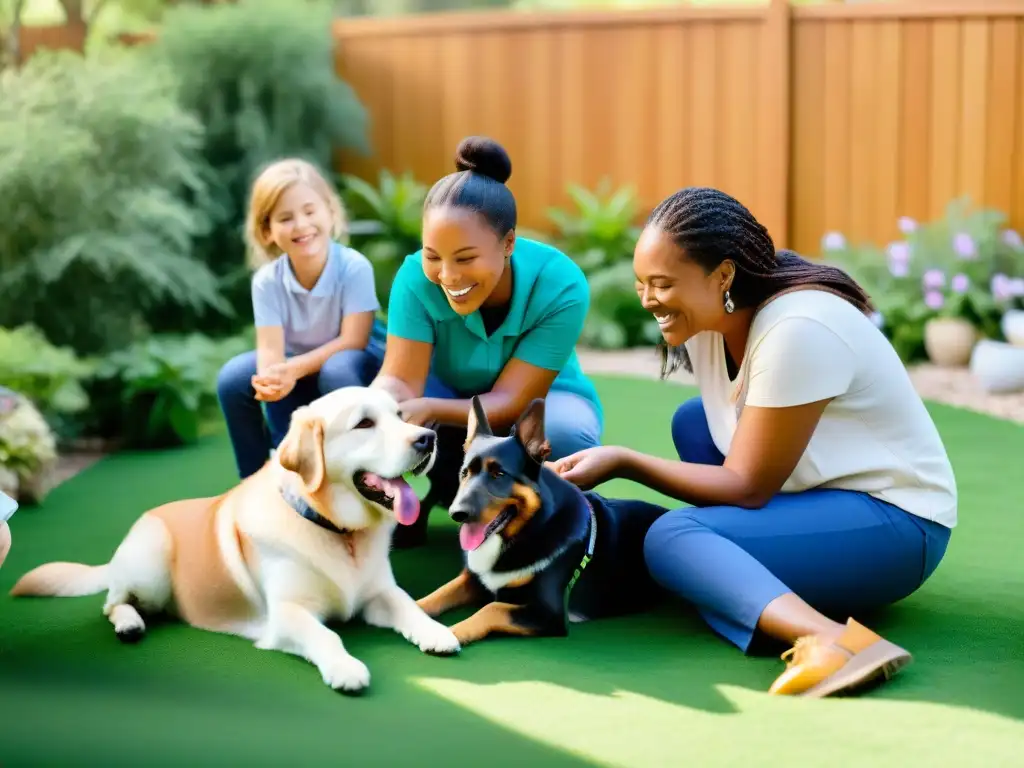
pixel 481 562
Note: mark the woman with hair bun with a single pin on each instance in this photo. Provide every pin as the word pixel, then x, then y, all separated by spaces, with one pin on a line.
pixel 480 311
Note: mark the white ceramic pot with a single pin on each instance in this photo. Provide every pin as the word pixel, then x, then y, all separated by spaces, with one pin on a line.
pixel 998 366
pixel 949 341
pixel 1013 326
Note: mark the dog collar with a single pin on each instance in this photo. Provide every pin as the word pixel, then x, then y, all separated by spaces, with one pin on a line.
pixel 300 505
pixel 587 557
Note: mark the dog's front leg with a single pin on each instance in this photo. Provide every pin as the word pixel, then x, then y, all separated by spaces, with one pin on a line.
pixel 394 609
pixel 505 619
pixel 294 629
pixel 462 590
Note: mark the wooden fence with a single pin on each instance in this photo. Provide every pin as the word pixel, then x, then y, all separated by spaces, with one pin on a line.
pixel 830 117
pixel 56 37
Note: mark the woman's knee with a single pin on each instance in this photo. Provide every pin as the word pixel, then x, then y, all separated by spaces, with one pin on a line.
pixel 348 368
pixel 664 532
pixel 691 435
pixel 234 379
pixel 571 427
pixel 666 541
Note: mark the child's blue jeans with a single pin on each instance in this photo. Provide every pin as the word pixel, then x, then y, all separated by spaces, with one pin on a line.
pixel 252 433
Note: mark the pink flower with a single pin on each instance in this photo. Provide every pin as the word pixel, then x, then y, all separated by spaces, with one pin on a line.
pixel 934 300
pixel 964 246
pixel 1012 238
pixel 899 268
pixel 960 283
pixel 1017 287
pixel 907 225
pixel 899 251
pixel 833 241
pixel 1001 287
pixel 933 278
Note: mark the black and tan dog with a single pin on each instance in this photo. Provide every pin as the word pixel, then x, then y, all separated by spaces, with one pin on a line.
pixel 538 552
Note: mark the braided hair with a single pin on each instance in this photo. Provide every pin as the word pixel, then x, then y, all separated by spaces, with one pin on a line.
pixel 709 226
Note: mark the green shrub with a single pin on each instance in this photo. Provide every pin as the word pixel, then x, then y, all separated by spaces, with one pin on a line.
pixel 599 235
pixel 260 76
pixel 161 391
pixel 96 158
pixel 51 377
pixel 387 222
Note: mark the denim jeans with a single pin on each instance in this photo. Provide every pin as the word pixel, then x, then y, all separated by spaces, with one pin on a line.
pixel 255 427
pixel 841 551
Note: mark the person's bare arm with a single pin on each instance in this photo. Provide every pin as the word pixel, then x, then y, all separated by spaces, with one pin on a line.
pixel 354 334
pixel 405 368
pixel 518 384
pixel 764 452
pixel 269 347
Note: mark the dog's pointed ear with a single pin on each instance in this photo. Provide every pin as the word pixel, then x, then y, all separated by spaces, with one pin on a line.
pixel 477 424
pixel 302 450
pixel 529 431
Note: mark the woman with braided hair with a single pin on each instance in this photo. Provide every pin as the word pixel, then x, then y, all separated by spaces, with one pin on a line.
pixel 819 485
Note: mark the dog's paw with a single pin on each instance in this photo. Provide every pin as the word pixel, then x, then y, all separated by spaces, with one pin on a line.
pixel 346 674
pixel 435 638
pixel 128 624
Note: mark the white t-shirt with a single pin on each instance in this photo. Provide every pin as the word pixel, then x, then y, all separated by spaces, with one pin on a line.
pixel 875 436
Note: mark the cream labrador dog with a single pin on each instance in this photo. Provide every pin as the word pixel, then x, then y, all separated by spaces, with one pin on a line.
pixel 303 541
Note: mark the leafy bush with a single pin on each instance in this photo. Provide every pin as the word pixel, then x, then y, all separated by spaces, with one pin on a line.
pixel 159 392
pixel 28 449
pixel 966 265
pixel 96 158
pixel 600 235
pixel 387 222
pixel 260 76
pixel 51 377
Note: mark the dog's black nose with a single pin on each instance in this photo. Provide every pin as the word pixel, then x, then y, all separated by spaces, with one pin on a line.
pixel 425 442
pixel 458 515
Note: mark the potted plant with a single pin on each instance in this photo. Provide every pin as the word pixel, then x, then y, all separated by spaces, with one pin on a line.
pixel 944 285
pixel 999 365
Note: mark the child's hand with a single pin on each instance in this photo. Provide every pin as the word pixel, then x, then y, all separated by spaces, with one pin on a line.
pixel 267 390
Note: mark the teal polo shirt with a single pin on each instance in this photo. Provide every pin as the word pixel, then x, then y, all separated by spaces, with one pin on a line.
pixel 550 300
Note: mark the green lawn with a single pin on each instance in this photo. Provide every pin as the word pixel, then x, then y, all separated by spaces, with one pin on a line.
pixel 646 691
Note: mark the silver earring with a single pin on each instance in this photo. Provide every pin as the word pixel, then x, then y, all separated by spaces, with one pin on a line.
pixel 729 306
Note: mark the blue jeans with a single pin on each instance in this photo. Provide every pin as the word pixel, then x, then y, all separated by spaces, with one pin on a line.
pixel 840 551
pixel 252 433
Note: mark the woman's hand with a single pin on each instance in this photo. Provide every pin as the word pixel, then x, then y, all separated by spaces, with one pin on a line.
pixel 418 411
pixel 592 466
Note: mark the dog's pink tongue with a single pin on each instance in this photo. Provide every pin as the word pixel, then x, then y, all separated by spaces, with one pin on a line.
pixel 472 535
pixel 407 504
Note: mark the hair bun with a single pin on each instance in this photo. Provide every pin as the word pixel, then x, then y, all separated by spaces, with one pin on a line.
pixel 484 156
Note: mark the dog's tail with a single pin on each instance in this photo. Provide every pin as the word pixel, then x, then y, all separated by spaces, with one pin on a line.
pixel 62 580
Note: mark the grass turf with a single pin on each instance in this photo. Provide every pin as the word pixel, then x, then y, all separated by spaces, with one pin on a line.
pixel 657 689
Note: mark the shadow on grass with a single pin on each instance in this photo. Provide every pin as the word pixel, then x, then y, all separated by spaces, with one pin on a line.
pixel 965 641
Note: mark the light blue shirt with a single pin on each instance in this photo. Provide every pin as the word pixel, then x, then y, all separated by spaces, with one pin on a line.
pixel 312 318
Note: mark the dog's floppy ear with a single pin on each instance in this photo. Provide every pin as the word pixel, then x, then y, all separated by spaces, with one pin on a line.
pixel 302 450
pixel 477 424
pixel 529 431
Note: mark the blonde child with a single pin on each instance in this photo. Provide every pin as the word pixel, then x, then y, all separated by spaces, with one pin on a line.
pixel 314 305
